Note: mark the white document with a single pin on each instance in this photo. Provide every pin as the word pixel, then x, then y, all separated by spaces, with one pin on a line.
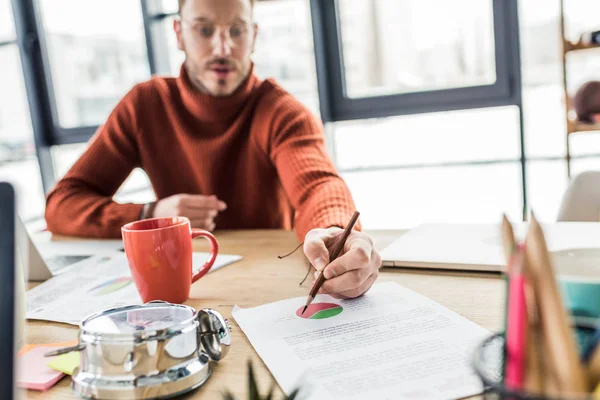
pixel 479 246
pixel 76 247
pixel 392 343
pixel 74 295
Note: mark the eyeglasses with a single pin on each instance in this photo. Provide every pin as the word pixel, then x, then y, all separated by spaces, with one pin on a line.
pixel 236 34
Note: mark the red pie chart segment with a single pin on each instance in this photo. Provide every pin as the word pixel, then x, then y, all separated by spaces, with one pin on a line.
pixel 320 311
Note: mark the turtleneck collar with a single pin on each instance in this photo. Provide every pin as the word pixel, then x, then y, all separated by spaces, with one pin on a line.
pixel 212 108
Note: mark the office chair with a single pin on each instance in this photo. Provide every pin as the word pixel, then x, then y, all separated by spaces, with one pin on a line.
pixel 581 201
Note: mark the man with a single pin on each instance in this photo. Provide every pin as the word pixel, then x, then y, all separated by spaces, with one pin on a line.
pixel 220 147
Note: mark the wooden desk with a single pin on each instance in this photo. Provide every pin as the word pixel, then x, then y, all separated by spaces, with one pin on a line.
pixel 262 278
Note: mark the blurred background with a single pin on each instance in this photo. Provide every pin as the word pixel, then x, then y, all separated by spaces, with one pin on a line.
pixel 435 111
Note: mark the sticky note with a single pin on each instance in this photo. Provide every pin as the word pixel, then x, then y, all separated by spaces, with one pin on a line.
pixel 65 363
pixel 28 347
pixel 32 371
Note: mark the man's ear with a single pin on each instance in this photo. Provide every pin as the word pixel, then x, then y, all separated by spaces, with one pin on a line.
pixel 177 29
pixel 254 36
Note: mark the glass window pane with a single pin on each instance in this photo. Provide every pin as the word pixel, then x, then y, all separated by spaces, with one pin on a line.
pixel 176 56
pixel 541 47
pixel 585 143
pixel 403 46
pixel 544 117
pixel 18 163
pixel 457 136
pixel 7 27
pixel 25 177
pixel 399 199
pixel 15 122
pixel 284 48
pixel 580 16
pixel 546 184
pixel 169 6
pixel 97 52
pixel 65 156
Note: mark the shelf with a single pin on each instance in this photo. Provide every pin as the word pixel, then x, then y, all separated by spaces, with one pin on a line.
pixel 576 46
pixel 578 126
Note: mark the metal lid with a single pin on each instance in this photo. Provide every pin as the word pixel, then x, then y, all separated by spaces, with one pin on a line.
pixel 151 319
pixel 215 334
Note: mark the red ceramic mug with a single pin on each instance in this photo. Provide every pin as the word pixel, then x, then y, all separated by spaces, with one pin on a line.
pixel 159 252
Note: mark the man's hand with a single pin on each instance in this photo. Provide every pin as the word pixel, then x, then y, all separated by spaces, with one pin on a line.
pixel 200 209
pixel 353 272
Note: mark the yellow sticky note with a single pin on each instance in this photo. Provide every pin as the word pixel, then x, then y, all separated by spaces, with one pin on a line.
pixel 65 363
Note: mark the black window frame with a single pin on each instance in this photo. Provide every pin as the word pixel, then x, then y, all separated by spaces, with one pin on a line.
pixel 339 107
pixel 33 49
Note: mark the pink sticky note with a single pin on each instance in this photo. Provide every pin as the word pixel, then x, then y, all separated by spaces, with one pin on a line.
pixel 33 371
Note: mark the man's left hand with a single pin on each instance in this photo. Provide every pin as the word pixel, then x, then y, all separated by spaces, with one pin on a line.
pixel 353 272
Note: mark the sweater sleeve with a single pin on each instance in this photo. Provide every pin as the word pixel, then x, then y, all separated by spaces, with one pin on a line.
pixel 320 197
pixel 81 203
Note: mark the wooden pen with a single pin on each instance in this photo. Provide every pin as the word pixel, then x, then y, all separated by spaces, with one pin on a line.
pixel 336 252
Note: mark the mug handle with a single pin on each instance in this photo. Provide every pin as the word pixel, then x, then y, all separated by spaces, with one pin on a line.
pixel 214 250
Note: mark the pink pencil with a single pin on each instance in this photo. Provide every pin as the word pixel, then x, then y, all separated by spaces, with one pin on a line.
pixel 516 330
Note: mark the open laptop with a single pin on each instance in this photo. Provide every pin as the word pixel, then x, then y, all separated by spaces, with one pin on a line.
pixel 7 290
pixel 46 258
pixel 478 247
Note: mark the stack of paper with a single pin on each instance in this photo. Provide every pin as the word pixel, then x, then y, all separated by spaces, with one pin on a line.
pixel 72 296
pixel 33 372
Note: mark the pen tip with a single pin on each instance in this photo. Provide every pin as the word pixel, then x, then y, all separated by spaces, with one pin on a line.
pixel 304 309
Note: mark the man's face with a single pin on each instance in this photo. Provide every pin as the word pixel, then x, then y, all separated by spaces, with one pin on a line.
pixel 218 38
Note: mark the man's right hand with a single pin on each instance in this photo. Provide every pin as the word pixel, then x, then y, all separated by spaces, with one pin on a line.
pixel 201 210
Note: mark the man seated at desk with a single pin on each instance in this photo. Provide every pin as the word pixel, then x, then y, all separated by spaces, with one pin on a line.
pixel 220 147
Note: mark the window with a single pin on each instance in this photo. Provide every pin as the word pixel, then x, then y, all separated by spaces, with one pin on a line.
pixel 136 187
pixel 407 170
pixel 381 58
pixel 401 46
pixel 280 23
pixel 420 97
pixel 96 55
pixel 395 199
pixel 7 27
pixel 284 48
pixel 18 163
pixel 432 139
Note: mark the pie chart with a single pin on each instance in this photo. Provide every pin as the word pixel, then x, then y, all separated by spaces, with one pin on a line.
pixel 110 286
pixel 320 311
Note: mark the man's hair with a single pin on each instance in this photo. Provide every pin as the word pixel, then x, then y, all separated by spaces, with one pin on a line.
pixel 182 2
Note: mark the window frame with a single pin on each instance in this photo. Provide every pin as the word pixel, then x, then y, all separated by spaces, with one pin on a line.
pixel 33 49
pixel 338 107
pixel 506 91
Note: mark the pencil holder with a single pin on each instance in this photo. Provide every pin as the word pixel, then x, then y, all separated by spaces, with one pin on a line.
pixel 488 365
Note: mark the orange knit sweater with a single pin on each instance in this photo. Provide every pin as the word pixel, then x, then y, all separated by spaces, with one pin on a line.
pixel 259 150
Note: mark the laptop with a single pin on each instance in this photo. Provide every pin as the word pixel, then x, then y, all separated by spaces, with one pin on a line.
pixel 7 290
pixel 478 247
pixel 45 258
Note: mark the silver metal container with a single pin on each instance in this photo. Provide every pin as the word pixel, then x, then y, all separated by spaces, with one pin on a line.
pixel 154 351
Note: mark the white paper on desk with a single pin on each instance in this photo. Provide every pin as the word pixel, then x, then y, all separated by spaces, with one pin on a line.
pixel 74 295
pixel 48 248
pixel 391 343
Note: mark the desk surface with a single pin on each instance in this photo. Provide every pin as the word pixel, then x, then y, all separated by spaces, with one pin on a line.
pixel 262 278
